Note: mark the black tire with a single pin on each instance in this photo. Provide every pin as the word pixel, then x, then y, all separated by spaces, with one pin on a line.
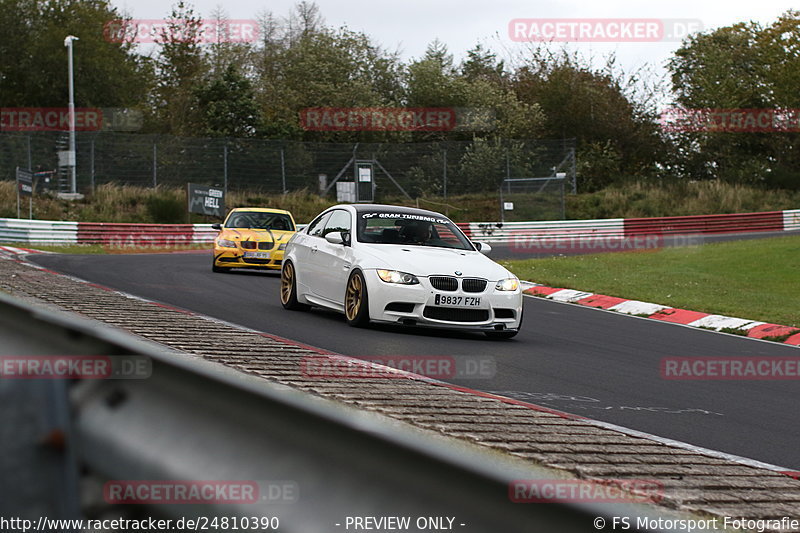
pixel 505 334
pixel 356 300
pixel 289 288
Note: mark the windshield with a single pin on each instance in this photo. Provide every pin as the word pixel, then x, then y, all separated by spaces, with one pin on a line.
pixel 386 227
pixel 260 220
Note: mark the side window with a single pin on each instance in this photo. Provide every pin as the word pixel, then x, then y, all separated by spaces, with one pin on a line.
pixel 338 221
pixel 316 226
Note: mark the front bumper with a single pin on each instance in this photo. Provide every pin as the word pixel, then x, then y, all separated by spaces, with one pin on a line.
pixel 415 305
pixel 235 258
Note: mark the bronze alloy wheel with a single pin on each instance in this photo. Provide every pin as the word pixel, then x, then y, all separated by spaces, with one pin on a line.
pixel 289 289
pixel 354 297
pixel 356 300
pixel 287 283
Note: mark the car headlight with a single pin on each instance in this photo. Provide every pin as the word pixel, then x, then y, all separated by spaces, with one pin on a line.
pixel 402 278
pixel 225 243
pixel 282 246
pixel 508 284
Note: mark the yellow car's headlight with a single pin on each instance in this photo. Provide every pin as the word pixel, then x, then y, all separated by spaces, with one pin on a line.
pixel 225 243
pixel 508 284
pixel 282 246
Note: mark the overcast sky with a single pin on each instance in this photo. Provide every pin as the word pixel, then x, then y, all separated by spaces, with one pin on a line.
pixel 409 25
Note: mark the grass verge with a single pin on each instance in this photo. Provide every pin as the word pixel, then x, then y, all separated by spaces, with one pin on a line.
pixel 755 279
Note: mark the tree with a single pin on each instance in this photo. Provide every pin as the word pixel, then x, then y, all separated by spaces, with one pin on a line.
pixel 33 73
pixel 301 63
pixel 181 67
pixel 227 106
pixel 599 108
pixel 744 66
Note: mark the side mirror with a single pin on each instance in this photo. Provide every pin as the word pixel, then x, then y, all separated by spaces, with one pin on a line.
pixel 216 226
pixel 483 247
pixel 335 237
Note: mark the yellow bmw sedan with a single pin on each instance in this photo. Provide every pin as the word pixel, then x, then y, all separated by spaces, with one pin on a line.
pixel 252 237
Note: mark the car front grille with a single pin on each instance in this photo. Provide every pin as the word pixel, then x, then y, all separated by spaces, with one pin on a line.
pixel 452 314
pixel 257 261
pixel 444 283
pixel 248 245
pixel 473 285
pixel 266 245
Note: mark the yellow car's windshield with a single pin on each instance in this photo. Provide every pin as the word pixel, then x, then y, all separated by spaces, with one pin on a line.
pixel 260 220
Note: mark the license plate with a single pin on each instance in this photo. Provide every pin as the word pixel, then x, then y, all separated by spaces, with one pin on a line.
pixel 256 255
pixel 445 300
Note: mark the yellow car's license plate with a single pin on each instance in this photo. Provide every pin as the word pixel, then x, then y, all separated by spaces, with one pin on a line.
pixel 256 255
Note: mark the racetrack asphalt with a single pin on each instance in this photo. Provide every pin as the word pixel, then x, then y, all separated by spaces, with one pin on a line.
pixel 584 361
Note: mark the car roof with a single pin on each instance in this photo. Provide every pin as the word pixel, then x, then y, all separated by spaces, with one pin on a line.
pixel 261 210
pixel 363 208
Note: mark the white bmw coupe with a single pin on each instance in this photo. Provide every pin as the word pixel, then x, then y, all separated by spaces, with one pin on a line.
pixel 399 265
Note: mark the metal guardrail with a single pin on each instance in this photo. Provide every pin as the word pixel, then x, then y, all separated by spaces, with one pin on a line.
pixel 44 232
pixel 509 231
pixel 55 232
pixel 620 228
pixel 193 420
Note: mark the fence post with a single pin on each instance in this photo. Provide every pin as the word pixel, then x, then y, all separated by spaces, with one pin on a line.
pixel 444 171
pixel 91 164
pixel 574 171
pixel 155 163
pixel 283 171
pixel 30 161
pixel 225 166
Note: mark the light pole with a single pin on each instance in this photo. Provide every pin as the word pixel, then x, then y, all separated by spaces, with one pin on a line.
pixel 71 154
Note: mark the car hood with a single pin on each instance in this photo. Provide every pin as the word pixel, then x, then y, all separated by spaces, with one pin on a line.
pixel 426 261
pixel 257 235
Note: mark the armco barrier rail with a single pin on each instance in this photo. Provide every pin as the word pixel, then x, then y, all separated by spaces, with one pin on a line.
pixel 192 420
pixel 772 221
pixel 14 230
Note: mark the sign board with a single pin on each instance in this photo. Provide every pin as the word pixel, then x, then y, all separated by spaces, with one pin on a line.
pixel 206 200
pixel 364 174
pixel 45 181
pixel 346 191
pixel 508 206
pixel 66 158
pixel 24 182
